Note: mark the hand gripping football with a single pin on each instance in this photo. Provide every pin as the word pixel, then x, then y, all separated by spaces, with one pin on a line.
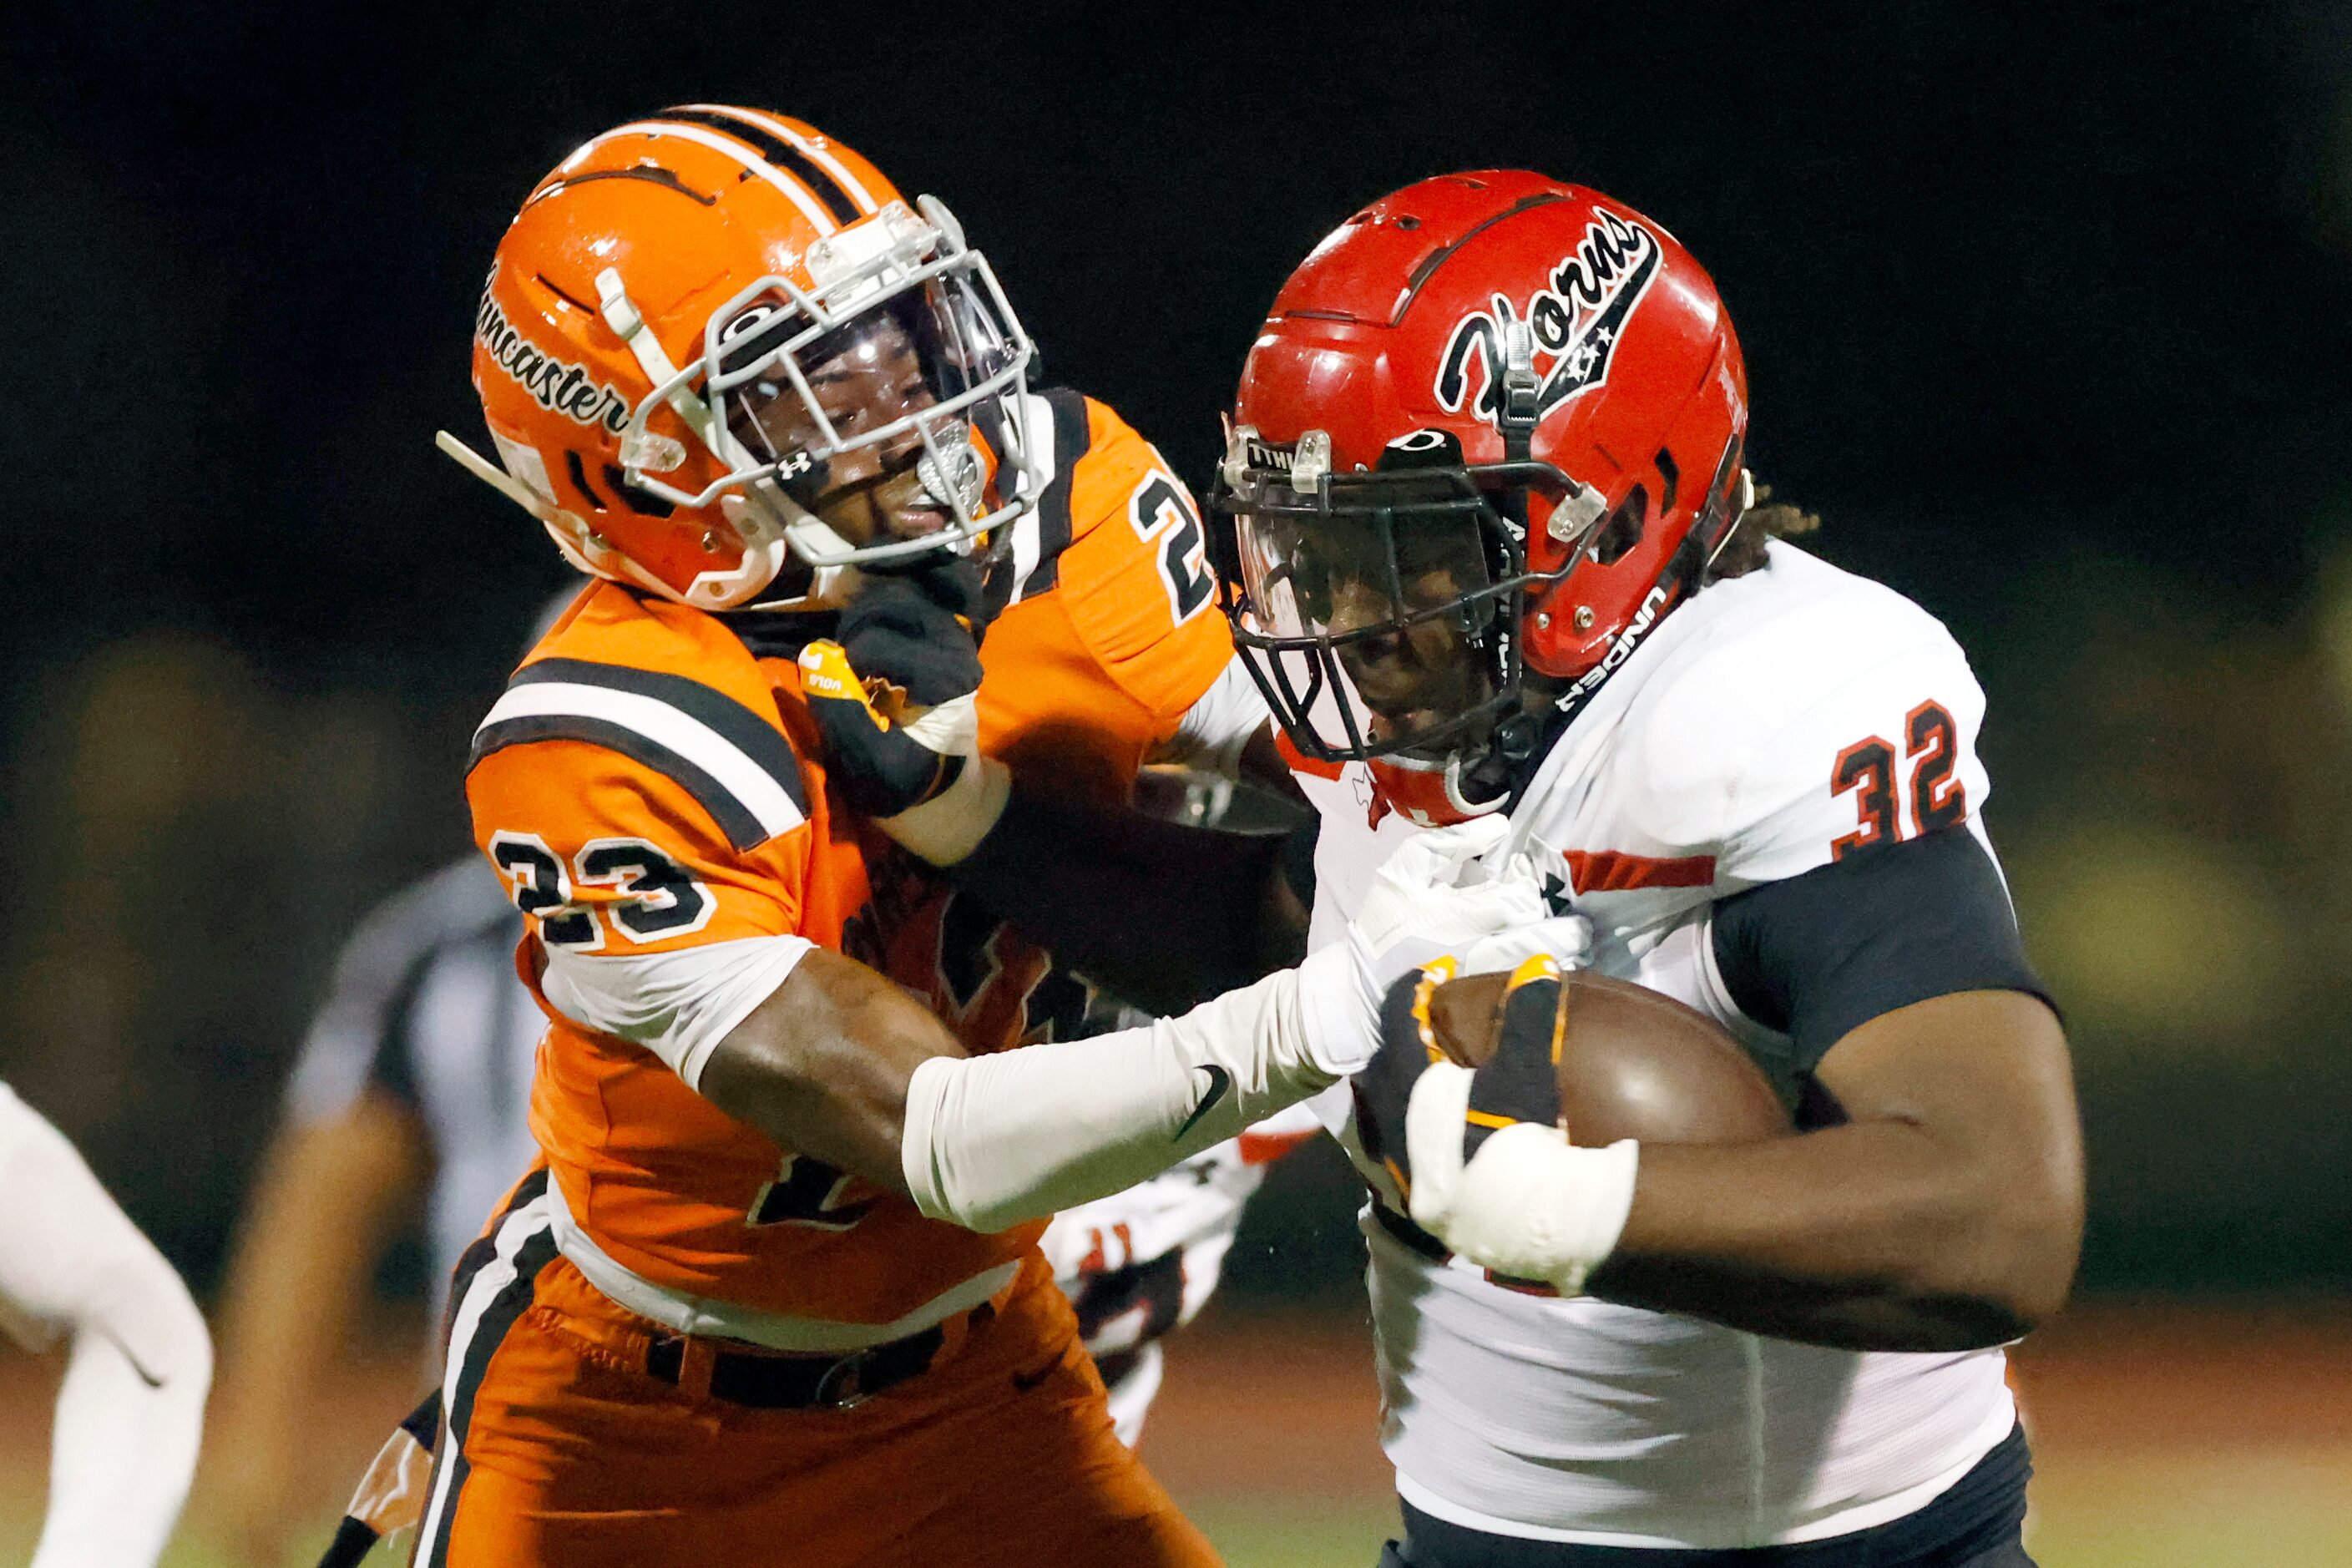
pixel 1602 1059
pixel 1623 1061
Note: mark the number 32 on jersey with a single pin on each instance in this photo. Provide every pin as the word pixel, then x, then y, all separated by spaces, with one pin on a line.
pixel 1866 770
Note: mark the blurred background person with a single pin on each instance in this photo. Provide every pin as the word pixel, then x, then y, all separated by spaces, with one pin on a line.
pixel 414 1079
pixel 1141 1264
pixel 128 1417
pixel 409 1102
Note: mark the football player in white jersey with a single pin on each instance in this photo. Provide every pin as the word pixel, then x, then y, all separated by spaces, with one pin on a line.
pixel 1497 558
pixel 132 1409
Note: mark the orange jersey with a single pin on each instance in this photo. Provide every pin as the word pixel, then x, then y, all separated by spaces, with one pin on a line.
pixel 650 783
pixel 1110 629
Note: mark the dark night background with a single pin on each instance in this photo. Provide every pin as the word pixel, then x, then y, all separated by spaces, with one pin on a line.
pixel 2049 315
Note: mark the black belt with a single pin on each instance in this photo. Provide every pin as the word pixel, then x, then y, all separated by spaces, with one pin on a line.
pixel 764 1380
pixel 1407 1235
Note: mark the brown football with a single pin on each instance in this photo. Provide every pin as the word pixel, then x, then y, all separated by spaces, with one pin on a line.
pixel 1632 1063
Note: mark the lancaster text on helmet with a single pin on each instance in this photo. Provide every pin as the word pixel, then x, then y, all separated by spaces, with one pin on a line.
pixel 556 386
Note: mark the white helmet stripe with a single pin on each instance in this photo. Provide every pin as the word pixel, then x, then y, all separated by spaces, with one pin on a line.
pixel 810 209
pixel 814 150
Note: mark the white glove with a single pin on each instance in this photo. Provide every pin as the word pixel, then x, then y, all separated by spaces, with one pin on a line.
pixel 1567 939
pixel 1434 897
pixel 1529 1204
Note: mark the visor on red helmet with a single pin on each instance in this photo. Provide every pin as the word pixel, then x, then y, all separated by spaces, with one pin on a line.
pixel 1379 610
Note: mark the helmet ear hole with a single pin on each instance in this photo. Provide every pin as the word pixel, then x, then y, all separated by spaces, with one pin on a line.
pixel 636 499
pixel 578 472
pixel 1624 528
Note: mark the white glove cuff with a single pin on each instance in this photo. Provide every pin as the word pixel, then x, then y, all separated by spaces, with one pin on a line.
pixel 1532 1205
pixel 950 826
pixel 1433 1121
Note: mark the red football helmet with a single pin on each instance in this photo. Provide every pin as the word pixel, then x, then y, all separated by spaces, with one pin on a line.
pixel 713 338
pixel 1493 424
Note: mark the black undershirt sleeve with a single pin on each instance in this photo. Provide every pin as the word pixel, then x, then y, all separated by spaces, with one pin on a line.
pixel 1162 915
pixel 1819 956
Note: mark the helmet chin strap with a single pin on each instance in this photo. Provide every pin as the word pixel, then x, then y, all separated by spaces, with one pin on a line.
pixel 1459 800
pixel 1477 779
pixel 761 538
pixel 827 588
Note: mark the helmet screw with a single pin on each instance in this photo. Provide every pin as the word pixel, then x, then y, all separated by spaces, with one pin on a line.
pixel 1543 619
pixel 710 540
pixel 1584 618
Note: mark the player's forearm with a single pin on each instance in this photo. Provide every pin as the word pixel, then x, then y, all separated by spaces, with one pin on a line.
pixel 994 1141
pixel 841 1066
pixel 1873 1235
pixel 821 1066
pixel 991 1141
pixel 1162 915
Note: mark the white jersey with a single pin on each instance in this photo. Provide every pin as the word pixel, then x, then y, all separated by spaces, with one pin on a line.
pixel 1767 724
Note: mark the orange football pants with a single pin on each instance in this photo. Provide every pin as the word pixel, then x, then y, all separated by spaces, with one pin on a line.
pixel 560 1451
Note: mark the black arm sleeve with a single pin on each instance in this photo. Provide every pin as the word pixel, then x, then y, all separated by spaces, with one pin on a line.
pixel 1819 956
pixel 1162 915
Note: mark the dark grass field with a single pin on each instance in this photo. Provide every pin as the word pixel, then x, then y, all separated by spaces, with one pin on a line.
pixel 2166 1436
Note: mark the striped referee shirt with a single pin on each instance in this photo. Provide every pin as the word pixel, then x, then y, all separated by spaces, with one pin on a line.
pixel 426 1008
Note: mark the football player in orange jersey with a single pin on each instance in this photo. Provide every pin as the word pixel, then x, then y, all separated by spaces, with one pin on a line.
pixel 774 1296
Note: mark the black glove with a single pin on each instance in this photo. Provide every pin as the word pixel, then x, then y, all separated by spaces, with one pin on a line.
pixel 896 698
pixel 917 630
pixel 1507 1027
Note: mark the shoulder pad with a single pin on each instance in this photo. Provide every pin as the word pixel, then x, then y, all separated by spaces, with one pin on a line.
pixel 1121 544
pixel 671 688
pixel 1736 742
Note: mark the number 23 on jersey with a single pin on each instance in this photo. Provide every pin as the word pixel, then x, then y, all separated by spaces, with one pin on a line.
pixel 626 885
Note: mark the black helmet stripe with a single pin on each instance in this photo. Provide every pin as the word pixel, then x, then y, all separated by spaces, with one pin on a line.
pixel 776 150
pixel 651 174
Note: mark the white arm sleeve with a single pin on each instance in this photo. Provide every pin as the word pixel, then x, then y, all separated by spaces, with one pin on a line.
pixel 992 1141
pixel 132 1409
pixel 677 1004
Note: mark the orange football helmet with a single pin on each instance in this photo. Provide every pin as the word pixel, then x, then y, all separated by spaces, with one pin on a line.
pixel 708 327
